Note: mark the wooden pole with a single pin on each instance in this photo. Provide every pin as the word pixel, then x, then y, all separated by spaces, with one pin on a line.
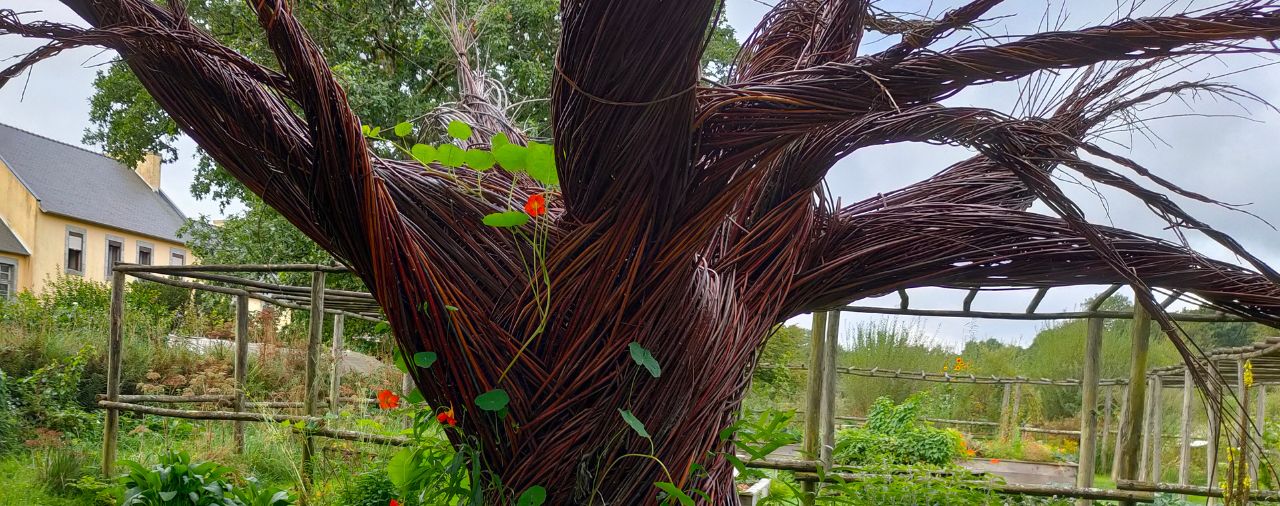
pixel 1015 414
pixel 115 347
pixel 829 357
pixel 1260 414
pixel 1157 429
pixel 1184 450
pixel 813 399
pixel 312 391
pixel 1106 430
pixel 1004 412
pixel 335 375
pixel 240 365
pixel 1131 422
pixel 1242 394
pixel 1118 447
pixel 1089 407
pixel 1215 431
pixel 1144 455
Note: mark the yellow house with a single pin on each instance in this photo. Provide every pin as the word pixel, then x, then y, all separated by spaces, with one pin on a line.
pixel 67 210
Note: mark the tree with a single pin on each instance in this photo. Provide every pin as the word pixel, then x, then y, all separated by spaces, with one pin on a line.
pixel 394 61
pixel 690 217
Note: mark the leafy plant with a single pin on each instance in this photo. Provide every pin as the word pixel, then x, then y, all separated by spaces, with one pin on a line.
pixel 175 481
pixel 894 434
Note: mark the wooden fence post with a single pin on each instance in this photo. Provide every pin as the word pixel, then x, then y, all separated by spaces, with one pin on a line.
pixel 1157 429
pixel 1184 449
pixel 1089 407
pixel 813 398
pixel 1015 414
pixel 335 376
pixel 1004 411
pixel 1258 426
pixel 240 365
pixel 1131 423
pixel 312 392
pixel 1215 431
pixel 829 381
pixel 1118 447
pixel 1104 462
pixel 115 348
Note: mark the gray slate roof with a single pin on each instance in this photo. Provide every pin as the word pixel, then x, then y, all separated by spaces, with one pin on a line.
pixel 9 242
pixel 78 183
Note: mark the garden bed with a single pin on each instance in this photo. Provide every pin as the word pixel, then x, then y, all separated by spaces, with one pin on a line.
pixel 1025 472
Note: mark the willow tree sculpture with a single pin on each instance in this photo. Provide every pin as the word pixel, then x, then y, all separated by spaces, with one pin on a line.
pixel 690 217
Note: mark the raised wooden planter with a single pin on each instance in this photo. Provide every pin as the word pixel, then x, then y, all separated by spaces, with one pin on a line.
pixel 1024 472
pixel 752 495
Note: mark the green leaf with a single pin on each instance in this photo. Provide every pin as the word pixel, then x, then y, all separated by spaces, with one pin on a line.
pixel 479 159
pixel 415 397
pixel 634 423
pixel 498 141
pixel 534 496
pixel 674 491
pixel 493 400
pixel 643 357
pixel 451 156
pixel 506 219
pixel 424 153
pixel 364 129
pixel 424 359
pixel 398 358
pixel 737 462
pixel 382 327
pixel 403 129
pixel 375 132
pixel 450 308
pixel 459 130
pixel 511 157
pixel 541 164
pixel 401 468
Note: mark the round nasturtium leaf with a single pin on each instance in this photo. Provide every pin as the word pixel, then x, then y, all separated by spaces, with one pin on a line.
pixel 506 219
pixel 424 359
pixel 459 130
pixel 451 156
pixel 479 159
pixel 424 153
pixel 511 157
pixel 533 496
pixel 493 400
pixel 500 139
pixel 541 164
pixel 403 129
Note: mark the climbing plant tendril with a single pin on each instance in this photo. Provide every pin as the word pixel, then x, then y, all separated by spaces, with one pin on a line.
pixel 682 216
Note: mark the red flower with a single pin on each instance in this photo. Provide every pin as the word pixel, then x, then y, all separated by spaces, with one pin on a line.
pixel 446 418
pixel 393 501
pixel 388 400
pixel 536 206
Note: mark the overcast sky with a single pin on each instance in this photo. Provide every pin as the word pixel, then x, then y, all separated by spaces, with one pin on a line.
pixel 1225 157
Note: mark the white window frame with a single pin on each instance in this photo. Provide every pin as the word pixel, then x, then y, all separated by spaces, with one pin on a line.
pixel 177 252
pixel 106 253
pixel 151 251
pixel 84 250
pixel 13 277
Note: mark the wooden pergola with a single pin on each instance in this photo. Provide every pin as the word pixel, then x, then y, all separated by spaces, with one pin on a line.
pixel 1137 457
pixel 317 299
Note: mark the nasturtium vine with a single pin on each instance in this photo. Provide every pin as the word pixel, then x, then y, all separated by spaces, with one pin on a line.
pixel 645 359
pixel 424 359
pixel 493 400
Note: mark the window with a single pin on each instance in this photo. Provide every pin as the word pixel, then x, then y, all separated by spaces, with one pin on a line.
pixel 75 251
pixel 177 257
pixel 8 278
pixel 144 253
pixel 115 252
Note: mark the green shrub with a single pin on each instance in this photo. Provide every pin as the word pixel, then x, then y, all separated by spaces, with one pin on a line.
pixel 894 434
pixel 373 488
pixel 176 481
pixel 49 397
pixel 11 427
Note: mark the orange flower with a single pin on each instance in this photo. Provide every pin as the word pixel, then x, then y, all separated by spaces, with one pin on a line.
pixel 995 461
pixel 393 501
pixel 388 400
pixel 536 206
pixel 446 418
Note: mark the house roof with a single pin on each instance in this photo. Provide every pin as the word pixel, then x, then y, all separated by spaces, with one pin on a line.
pixel 77 183
pixel 9 243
